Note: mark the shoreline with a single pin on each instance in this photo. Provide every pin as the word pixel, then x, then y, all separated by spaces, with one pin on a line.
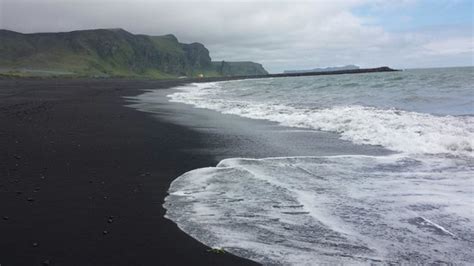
pixel 84 176
pixel 234 136
pixel 381 180
pixel 206 79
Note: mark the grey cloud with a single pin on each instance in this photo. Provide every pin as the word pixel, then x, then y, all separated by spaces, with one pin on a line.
pixel 279 34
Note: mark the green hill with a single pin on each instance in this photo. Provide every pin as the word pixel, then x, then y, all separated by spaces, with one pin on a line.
pixel 244 68
pixel 111 53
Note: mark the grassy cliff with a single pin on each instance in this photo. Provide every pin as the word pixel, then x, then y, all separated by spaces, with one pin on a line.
pixel 244 68
pixel 106 53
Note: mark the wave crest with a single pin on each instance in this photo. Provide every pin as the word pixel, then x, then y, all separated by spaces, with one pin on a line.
pixel 403 131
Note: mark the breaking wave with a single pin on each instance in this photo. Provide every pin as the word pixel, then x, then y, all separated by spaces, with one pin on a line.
pixel 412 207
pixel 336 209
pixel 398 130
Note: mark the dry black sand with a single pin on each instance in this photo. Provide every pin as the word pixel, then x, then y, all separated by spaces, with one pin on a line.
pixel 83 178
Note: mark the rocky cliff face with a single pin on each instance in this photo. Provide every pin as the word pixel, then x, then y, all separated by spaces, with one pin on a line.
pixel 239 68
pixel 198 55
pixel 104 52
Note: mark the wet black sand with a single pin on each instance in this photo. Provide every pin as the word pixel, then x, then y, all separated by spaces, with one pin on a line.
pixel 83 178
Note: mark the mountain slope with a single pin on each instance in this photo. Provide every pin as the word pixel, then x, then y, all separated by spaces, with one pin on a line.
pixel 244 68
pixel 103 52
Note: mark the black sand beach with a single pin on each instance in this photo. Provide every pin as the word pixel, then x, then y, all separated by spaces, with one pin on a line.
pixel 83 178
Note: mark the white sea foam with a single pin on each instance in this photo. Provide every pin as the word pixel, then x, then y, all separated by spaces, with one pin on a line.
pixel 402 131
pixel 337 209
pixel 414 207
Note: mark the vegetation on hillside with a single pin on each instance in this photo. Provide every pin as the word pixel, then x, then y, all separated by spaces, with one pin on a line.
pixel 110 53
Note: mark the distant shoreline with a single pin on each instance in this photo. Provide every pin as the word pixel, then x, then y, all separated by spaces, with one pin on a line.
pixel 210 79
pixel 284 75
pixel 322 73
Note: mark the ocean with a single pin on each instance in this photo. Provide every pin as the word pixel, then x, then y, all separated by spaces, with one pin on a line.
pixel 411 204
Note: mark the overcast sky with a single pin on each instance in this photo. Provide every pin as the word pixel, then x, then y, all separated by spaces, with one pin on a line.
pixel 279 34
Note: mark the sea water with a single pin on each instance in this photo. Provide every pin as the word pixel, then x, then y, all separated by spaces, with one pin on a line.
pixel 413 206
